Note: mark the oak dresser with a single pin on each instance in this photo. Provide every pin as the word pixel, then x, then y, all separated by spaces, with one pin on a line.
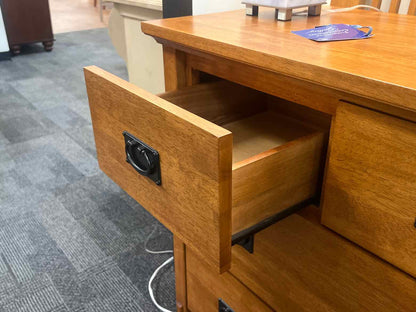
pixel 285 168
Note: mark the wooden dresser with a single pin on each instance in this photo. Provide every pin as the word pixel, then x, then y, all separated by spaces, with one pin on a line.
pixel 27 21
pixel 285 168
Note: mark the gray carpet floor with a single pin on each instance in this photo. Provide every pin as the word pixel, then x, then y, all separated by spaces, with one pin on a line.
pixel 70 239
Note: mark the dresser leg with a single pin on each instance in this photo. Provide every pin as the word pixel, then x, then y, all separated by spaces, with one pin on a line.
pixel 252 10
pixel 15 49
pixel 48 45
pixel 179 250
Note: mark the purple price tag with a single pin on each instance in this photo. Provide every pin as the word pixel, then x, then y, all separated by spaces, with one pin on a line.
pixel 335 32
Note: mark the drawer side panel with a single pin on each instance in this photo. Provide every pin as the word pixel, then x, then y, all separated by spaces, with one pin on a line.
pixel 283 177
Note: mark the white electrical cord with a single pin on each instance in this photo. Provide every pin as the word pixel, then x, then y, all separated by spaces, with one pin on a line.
pixel 154 251
pixel 364 6
pixel 149 286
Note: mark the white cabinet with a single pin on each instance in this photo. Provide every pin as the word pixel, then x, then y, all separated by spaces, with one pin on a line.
pixel 4 46
pixel 143 55
pixel 212 6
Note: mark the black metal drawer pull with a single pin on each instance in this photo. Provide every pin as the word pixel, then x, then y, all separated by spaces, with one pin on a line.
pixel 144 159
pixel 223 307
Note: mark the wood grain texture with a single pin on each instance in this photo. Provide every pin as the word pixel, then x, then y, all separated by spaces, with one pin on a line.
pixel 205 287
pixel 276 158
pixel 179 250
pixel 299 265
pixel 174 65
pixel 369 195
pixel 376 3
pixel 275 180
pixel 394 6
pixel 295 90
pixel 219 102
pixel 265 43
pixel 194 200
pixel 317 97
pixel 261 132
pixel 346 3
pixel 412 8
pixel 301 113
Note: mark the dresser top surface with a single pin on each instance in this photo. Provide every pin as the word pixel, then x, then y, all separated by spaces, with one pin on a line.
pixel 382 67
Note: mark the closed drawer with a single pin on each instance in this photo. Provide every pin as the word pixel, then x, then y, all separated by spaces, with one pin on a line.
pixel 369 194
pixel 205 287
pixel 299 265
pixel 210 187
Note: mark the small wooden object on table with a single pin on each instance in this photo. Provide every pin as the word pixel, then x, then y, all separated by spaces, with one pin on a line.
pixel 284 7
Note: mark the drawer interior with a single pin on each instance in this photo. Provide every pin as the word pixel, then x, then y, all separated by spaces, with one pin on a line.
pixel 257 126
pixel 277 155
pixel 262 132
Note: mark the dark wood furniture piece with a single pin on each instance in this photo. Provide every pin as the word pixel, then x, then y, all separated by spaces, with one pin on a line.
pixel 247 146
pixel 27 21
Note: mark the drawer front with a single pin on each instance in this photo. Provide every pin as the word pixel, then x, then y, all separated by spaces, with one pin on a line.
pixel 300 266
pixel 370 189
pixel 205 287
pixel 194 197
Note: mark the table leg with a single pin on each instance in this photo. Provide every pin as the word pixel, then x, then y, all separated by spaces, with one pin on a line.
pixel 314 10
pixel 283 14
pixel 252 10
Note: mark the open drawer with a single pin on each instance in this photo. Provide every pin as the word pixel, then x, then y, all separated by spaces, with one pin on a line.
pixel 201 184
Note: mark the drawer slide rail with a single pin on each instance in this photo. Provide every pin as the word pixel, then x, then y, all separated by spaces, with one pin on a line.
pixel 245 238
pixel 223 307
